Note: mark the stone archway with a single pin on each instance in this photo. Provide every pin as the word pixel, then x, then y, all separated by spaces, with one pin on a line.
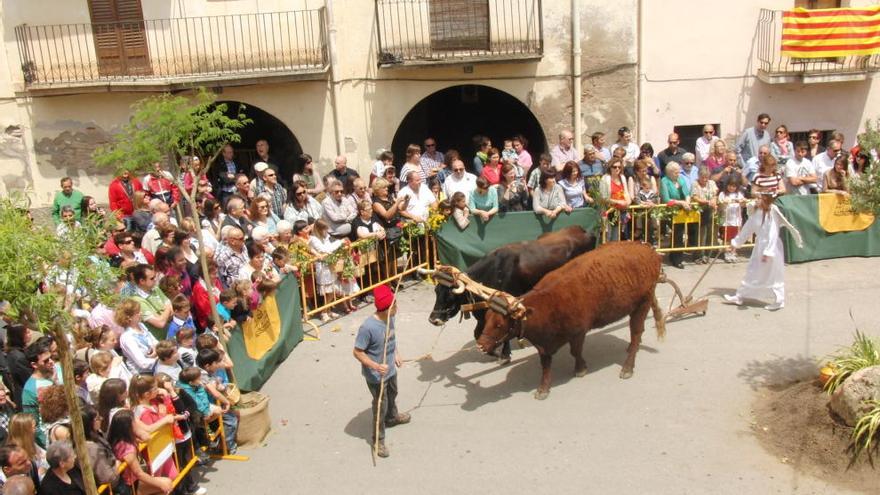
pixel 284 147
pixel 454 115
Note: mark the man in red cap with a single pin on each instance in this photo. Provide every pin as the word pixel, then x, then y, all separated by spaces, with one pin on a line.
pixel 368 346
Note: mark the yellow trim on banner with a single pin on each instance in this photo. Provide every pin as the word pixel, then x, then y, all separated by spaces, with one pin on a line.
pixel 262 330
pixel 836 214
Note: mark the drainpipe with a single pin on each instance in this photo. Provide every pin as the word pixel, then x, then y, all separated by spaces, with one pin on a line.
pixel 334 76
pixel 640 83
pixel 577 120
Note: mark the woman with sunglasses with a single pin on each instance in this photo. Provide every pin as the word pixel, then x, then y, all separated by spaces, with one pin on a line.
pixel 301 205
pixel 781 147
pixel 312 179
pixel 612 188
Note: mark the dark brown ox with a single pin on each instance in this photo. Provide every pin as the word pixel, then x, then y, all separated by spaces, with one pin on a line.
pixel 514 268
pixel 591 291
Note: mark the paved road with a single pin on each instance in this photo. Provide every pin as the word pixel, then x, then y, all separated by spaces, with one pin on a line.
pixel 680 425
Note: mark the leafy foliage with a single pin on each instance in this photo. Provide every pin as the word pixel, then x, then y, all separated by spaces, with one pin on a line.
pixel 865 190
pixel 862 353
pixel 165 126
pixel 866 429
pixel 31 255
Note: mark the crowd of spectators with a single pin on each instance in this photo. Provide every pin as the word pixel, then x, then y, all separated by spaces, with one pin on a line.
pixel 156 358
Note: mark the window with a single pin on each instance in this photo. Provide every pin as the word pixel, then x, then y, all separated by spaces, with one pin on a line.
pixel 688 135
pixel 459 24
pixel 120 37
pixel 817 4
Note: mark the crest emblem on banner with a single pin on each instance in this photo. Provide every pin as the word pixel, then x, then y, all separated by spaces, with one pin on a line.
pixel 836 214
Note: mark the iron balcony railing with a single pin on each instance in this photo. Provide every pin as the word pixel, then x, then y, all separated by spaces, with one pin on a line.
pixel 438 31
pixel 193 47
pixel 773 63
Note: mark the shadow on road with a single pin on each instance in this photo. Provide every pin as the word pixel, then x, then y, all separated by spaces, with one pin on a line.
pixel 778 371
pixel 601 349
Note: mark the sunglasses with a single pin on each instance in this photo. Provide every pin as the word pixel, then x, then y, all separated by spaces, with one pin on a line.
pixel 127 241
pixel 764 122
pixel 300 193
pixel 708 132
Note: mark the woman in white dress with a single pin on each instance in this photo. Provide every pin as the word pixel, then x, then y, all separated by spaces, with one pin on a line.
pixel 765 274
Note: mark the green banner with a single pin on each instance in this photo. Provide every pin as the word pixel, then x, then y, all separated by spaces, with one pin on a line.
pixel 803 213
pixel 461 248
pixel 259 346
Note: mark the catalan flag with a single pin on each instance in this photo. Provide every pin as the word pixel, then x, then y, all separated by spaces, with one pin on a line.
pixel 831 32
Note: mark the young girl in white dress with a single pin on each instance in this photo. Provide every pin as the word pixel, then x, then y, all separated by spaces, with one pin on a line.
pixel 321 245
pixel 765 274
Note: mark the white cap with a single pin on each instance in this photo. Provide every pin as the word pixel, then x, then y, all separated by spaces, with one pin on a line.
pixel 260 167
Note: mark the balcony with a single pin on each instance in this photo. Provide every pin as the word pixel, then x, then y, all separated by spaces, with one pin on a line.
pixel 168 54
pixel 435 32
pixel 775 68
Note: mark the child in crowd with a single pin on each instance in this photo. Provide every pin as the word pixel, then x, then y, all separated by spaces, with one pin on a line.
pixel 460 210
pixel 192 428
pixel 168 359
pixel 207 341
pixel 100 363
pixel 508 154
pixel 181 316
pixel 155 405
pixel 122 438
pixel 191 383
pixel 241 312
pixel 210 362
pixel 281 262
pixel 80 377
pixel 323 245
pixel 731 201
pixel 186 346
pixel 228 300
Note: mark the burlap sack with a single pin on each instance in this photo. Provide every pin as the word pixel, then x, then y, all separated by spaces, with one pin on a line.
pixel 255 422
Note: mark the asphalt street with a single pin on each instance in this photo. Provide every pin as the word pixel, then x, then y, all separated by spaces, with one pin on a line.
pixel 682 424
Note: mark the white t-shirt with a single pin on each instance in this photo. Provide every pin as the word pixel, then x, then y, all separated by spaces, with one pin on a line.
pixel 418 202
pixel 794 168
pixel 821 164
pixel 466 184
pixel 732 208
pixel 632 151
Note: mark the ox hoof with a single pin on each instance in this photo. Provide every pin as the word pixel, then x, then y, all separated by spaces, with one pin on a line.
pixel 542 394
pixel 626 374
pixel 503 360
pixel 580 373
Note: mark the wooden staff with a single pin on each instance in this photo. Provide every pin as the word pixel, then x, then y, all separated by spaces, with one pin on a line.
pixel 385 361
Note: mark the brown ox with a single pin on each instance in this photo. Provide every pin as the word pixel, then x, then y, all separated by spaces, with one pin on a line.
pixel 591 291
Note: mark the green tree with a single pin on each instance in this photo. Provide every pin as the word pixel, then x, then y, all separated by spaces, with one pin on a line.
pixel 865 190
pixel 165 127
pixel 32 256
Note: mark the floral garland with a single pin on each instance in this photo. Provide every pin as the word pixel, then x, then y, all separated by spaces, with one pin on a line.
pixel 436 220
pixel 350 255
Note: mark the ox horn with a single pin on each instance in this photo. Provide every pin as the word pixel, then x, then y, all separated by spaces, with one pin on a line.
pixel 458 288
pixel 425 272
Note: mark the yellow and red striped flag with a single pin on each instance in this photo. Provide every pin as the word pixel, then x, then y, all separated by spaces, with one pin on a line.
pixel 831 32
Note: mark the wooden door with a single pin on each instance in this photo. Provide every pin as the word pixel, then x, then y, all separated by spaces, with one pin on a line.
pixel 459 24
pixel 120 37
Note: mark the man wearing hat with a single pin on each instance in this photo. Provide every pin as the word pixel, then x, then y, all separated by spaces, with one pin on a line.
pixel 257 183
pixel 368 346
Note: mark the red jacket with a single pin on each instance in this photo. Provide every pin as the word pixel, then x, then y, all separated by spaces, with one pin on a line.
pixel 202 302
pixel 162 188
pixel 119 200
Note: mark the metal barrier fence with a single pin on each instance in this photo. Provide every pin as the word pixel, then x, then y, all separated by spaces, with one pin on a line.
pixel 373 263
pixel 667 228
pixel 363 266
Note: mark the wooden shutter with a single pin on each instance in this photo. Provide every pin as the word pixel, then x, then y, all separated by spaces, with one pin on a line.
pixel 120 37
pixel 459 24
